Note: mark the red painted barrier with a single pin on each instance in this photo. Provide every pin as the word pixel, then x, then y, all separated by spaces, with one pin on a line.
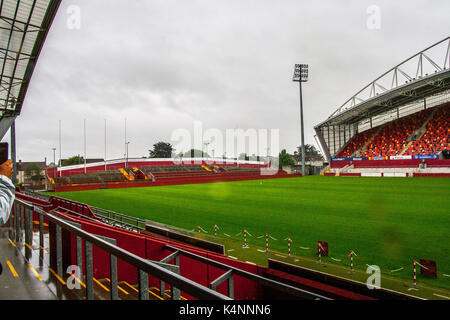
pixel 413 163
pixel 431 175
pixel 438 163
pixel 339 164
pixel 350 174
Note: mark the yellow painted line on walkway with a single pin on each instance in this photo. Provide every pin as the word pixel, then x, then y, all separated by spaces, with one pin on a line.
pixel 118 287
pixel 12 243
pixel 100 284
pixel 57 277
pixel 28 246
pixel 43 248
pixel 155 295
pixel 13 271
pixel 35 272
pixel 168 295
pixel 79 281
pixel 37 222
pixel 131 286
pixel 160 292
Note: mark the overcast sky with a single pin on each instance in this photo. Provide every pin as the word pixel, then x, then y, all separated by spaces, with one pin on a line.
pixel 227 63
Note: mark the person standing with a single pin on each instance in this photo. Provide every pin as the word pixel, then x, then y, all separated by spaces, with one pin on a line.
pixel 7 194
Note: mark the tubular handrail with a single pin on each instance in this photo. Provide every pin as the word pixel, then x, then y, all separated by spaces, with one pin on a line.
pixel 118 217
pixel 264 281
pixel 182 283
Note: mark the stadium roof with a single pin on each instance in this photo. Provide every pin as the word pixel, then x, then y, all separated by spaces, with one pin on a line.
pixel 405 87
pixel 24 25
pixel 421 79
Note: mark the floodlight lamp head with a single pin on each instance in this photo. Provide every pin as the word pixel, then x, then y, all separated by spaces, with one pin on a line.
pixel 300 73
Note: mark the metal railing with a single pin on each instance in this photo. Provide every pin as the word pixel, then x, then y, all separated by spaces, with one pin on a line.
pixel 23 216
pixel 119 219
pixel 231 271
pixel 35 194
pixel 110 217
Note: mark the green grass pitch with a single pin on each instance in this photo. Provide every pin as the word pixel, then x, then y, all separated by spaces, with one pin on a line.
pixel 387 221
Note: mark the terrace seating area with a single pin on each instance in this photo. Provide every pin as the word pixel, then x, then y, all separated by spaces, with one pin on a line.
pixel 426 132
pixel 161 175
pixel 393 137
pixel 437 135
pixel 159 172
pixel 96 177
pixel 239 169
pixel 356 143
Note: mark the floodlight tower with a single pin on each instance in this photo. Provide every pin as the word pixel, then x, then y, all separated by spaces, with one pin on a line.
pixel 54 163
pixel 126 154
pixel 301 75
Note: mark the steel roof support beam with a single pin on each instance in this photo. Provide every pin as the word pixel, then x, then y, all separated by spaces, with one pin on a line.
pixel 20 48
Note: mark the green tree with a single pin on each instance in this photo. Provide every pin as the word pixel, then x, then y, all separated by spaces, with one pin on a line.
pixel 285 159
pixel 311 154
pixel 194 153
pixel 73 161
pixel 34 173
pixel 161 150
pixel 243 156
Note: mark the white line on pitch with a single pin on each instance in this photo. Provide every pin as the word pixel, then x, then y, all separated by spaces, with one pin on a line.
pixel 232 257
pixel 440 296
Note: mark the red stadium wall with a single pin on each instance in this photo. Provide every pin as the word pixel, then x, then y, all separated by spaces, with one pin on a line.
pixel 405 163
pixel 414 163
pixel 339 164
pixel 350 174
pixel 431 175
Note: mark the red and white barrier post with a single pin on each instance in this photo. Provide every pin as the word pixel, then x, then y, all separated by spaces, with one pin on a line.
pixel 320 252
pixel 245 239
pixel 415 275
pixel 351 262
pixel 267 242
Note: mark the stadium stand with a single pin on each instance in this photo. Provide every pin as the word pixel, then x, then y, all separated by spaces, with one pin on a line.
pixel 357 143
pixel 155 172
pixel 437 134
pixel 403 137
pixel 398 124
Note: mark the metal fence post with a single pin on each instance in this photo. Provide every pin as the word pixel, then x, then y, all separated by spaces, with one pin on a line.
pixel 17 221
pixel 79 253
pixel 113 275
pixel 143 285
pixel 59 264
pixel 89 271
pixel 41 240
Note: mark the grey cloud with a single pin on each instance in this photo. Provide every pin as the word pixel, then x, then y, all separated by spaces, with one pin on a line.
pixel 164 64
